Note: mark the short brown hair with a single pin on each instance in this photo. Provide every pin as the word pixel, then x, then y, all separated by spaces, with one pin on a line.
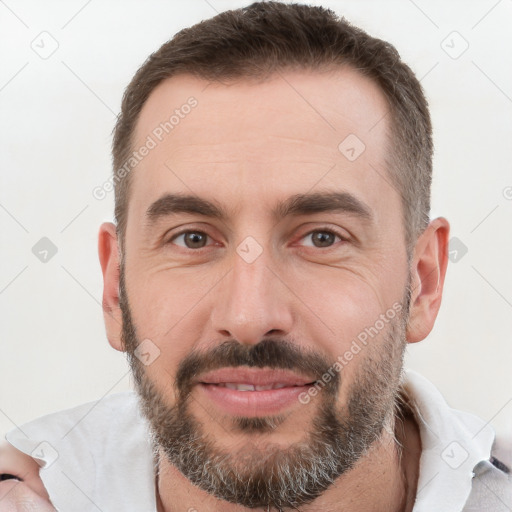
pixel 266 37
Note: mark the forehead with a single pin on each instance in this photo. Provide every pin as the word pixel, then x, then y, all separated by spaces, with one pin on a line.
pixel 243 139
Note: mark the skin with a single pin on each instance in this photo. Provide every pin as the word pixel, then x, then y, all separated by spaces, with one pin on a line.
pixel 27 492
pixel 247 146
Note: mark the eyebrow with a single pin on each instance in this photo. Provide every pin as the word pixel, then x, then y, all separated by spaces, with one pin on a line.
pixel 296 205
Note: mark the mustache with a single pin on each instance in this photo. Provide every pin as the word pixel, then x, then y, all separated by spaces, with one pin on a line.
pixel 268 353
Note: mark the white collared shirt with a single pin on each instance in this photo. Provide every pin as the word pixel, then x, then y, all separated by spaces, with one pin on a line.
pixel 98 456
pixel 455 457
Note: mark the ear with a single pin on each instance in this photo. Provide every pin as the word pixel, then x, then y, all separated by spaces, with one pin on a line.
pixel 109 259
pixel 428 270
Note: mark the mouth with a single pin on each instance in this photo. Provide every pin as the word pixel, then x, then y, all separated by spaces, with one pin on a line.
pixel 253 391
pixel 252 387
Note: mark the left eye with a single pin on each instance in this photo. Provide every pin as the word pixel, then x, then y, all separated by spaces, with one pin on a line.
pixel 321 238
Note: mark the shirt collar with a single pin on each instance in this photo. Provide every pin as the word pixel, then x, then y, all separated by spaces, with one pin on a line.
pixel 453 443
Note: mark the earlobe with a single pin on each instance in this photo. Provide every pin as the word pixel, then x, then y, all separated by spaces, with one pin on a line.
pixel 108 252
pixel 427 280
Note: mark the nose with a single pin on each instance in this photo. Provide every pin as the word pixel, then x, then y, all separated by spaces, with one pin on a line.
pixel 252 303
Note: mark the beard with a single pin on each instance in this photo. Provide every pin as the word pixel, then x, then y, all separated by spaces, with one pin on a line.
pixel 269 475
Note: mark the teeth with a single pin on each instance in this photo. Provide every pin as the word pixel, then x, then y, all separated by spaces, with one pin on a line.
pixel 239 387
pixel 263 388
pixel 278 386
pixel 250 387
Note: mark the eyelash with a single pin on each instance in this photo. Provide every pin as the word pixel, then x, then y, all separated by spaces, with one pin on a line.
pixel 319 230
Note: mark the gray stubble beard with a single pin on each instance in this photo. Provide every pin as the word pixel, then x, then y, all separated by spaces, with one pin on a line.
pixel 267 475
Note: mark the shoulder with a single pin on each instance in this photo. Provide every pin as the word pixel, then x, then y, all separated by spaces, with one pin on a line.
pixel 102 447
pixel 96 420
pixel 116 405
pixel 492 481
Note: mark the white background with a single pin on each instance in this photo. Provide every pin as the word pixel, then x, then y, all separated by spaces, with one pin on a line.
pixel 56 120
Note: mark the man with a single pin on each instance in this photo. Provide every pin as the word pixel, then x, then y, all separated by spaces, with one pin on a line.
pixel 272 257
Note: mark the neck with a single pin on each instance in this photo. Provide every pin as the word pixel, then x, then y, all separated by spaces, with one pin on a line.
pixel 384 479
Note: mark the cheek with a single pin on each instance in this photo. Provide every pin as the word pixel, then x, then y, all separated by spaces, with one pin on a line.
pixel 172 308
pixel 163 297
pixel 347 301
pixel 352 317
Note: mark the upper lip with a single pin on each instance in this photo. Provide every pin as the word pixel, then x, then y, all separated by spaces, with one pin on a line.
pixel 254 376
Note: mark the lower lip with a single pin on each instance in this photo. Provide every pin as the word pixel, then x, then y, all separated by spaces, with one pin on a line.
pixel 253 403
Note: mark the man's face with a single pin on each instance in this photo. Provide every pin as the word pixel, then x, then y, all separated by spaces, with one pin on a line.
pixel 280 285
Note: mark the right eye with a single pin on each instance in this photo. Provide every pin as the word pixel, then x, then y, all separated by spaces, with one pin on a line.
pixel 190 239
